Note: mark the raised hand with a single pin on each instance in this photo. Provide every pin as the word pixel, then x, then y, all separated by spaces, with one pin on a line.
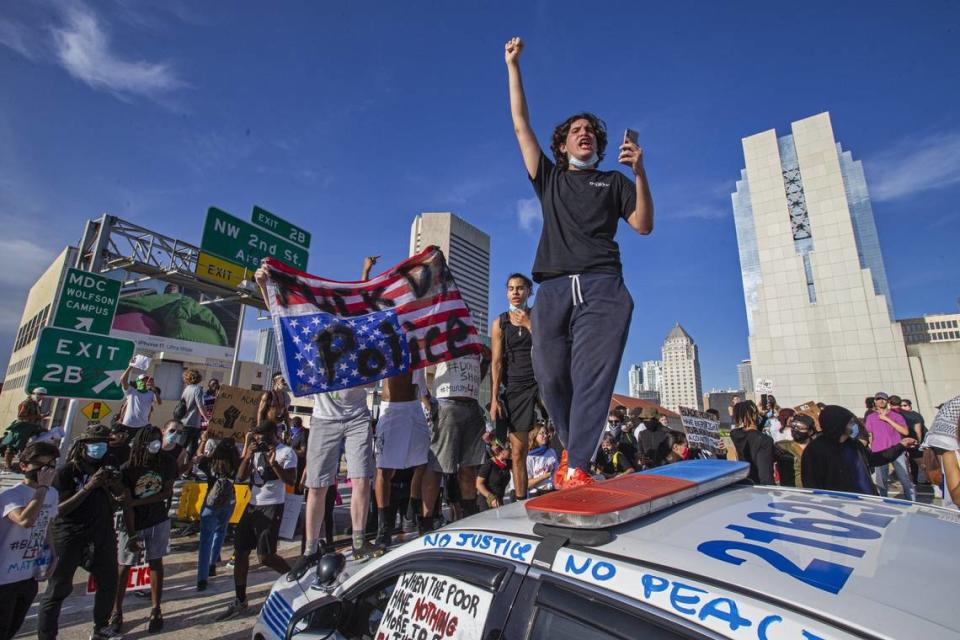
pixel 512 50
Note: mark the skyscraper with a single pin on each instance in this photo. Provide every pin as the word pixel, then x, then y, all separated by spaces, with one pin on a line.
pixel 267 351
pixel 652 375
pixel 636 380
pixel 745 376
pixel 681 385
pixel 467 250
pixel 818 302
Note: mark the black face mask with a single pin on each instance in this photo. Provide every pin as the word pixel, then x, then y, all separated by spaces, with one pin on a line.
pixel 800 436
pixel 33 475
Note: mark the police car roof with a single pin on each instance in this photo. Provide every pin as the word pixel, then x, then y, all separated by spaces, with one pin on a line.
pixel 896 552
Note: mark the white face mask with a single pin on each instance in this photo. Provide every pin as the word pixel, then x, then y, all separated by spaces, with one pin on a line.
pixel 580 164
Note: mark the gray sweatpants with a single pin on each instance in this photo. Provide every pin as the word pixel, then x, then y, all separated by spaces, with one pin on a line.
pixel 580 326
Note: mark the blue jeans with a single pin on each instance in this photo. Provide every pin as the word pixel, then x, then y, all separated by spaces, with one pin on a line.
pixel 882 474
pixel 213 529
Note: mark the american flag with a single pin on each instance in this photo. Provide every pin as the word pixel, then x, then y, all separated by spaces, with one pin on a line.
pixel 336 335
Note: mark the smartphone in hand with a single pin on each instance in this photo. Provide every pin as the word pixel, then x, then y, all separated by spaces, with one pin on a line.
pixel 632 136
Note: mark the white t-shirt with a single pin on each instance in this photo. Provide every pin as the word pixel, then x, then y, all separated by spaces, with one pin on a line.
pixel 137 413
pixel 340 405
pixel 779 432
pixel 50 435
pixel 458 378
pixel 270 491
pixel 25 553
pixel 537 465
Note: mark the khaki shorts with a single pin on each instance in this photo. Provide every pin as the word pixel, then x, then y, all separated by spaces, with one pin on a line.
pixel 326 440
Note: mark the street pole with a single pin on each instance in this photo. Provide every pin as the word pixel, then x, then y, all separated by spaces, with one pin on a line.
pixel 234 369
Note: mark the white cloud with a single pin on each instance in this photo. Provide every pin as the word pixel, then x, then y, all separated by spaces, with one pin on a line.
pixel 529 214
pixel 915 165
pixel 82 47
pixel 18 38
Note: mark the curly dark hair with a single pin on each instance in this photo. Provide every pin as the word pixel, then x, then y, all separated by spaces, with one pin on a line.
pixel 560 137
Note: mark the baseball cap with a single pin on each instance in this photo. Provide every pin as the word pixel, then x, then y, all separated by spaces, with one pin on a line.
pixel 142 376
pixel 40 391
pixel 880 395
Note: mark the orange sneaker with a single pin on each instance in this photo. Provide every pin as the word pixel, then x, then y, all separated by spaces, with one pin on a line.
pixel 560 476
pixel 580 478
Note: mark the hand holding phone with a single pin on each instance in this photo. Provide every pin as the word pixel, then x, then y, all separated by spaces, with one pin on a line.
pixel 631 135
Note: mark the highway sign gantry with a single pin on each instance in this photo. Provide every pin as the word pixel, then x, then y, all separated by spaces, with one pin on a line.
pixel 88 302
pixel 76 364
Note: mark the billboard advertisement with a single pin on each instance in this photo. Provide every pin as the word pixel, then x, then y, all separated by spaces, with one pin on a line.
pixel 162 316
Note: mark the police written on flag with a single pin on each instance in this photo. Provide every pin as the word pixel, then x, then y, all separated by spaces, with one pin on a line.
pixel 336 335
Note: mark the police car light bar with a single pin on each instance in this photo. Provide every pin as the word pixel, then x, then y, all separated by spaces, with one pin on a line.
pixel 624 499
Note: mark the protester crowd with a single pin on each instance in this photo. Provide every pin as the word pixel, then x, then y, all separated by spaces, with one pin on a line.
pixel 433 453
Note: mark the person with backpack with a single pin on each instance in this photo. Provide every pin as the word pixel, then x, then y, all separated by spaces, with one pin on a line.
pixel 191 410
pixel 220 468
pixel 148 476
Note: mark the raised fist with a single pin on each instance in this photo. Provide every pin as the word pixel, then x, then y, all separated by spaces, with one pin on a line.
pixel 512 50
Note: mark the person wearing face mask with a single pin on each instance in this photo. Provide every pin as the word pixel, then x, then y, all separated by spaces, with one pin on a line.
pixel 679 450
pixel 610 461
pixel 148 477
pixel 582 316
pixel 89 487
pixel 789 453
pixel 28 510
pixel 138 399
pixel 269 466
pixel 494 477
pixel 174 443
pixel 837 460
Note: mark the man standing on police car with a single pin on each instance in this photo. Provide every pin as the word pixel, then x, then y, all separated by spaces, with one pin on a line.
pixel 582 315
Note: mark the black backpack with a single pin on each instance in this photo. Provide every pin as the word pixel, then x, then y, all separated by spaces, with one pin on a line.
pixel 180 410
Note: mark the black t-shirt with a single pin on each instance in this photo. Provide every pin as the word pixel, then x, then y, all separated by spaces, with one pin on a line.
pixel 495 478
pixel 95 511
pixel 119 454
pixel 517 355
pixel 581 210
pixel 144 482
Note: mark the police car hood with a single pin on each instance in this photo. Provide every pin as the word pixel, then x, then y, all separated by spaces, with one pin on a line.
pixel 863 562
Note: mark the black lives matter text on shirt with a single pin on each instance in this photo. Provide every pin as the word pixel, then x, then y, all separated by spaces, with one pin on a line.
pixel 581 210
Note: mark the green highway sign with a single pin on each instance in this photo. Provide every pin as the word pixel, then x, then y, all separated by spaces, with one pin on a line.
pixel 88 302
pixel 243 244
pixel 76 364
pixel 266 220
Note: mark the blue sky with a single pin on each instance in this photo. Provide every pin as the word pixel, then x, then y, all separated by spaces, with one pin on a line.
pixel 351 118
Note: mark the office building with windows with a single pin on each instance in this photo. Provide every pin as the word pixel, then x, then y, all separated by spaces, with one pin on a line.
pixel 680 386
pixel 467 250
pixel 818 303
pixel 745 375
pixel 931 328
pixel 652 375
pixel 267 353
pixel 635 380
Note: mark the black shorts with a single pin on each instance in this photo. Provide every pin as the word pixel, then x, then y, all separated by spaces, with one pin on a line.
pixel 259 528
pixel 520 408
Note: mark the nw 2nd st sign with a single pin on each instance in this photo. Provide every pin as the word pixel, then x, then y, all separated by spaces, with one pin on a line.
pixel 241 243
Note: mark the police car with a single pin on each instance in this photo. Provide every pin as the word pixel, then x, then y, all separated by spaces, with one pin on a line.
pixel 683 551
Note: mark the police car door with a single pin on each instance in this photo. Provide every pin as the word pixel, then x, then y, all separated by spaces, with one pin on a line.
pixel 430 595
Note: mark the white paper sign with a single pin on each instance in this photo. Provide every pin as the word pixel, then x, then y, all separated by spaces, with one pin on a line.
pixel 703 431
pixel 459 378
pixel 427 605
pixel 141 362
pixel 762 386
pixel 292 507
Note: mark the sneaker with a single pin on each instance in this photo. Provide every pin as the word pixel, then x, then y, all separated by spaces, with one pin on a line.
pixel 368 552
pixel 236 609
pixel 580 478
pixel 303 563
pixel 384 539
pixel 561 474
pixel 105 633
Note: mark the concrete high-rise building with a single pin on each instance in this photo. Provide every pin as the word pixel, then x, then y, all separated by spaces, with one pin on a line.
pixel 652 375
pixel 467 250
pixel 745 376
pixel 681 385
pixel 941 327
pixel 636 380
pixel 267 354
pixel 818 303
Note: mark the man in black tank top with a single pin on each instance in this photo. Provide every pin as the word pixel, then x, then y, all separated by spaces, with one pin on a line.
pixel 515 392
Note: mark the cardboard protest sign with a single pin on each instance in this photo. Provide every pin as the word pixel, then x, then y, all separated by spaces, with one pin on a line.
pixel 809 408
pixel 138 579
pixel 426 605
pixel 703 432
pixel 234 412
